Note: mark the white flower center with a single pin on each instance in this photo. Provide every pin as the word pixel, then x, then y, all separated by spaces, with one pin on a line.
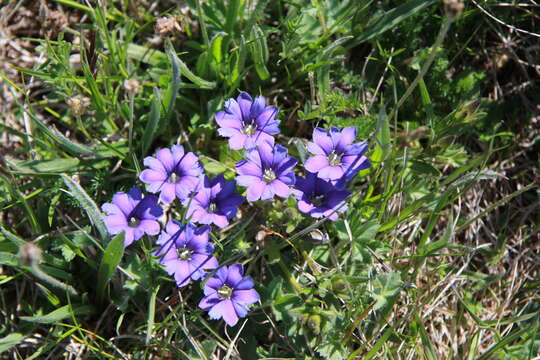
pixel 225 292
pixel 184 253
pixel 212 208
pixel 334 159
pixel 134 222
pixel 317 200
pixel 249 129
pixel 269 175
pixel 173 178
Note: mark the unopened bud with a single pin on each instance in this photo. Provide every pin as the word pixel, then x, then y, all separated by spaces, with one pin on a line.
pixel 339 285
pixel 131 86
pixel 29 255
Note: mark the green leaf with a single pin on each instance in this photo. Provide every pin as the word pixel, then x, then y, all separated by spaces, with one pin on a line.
pixel 51 166
pixel 9 341
pixel 111 258
pixel 174 86
pixel 429 351
pixel 65 143
pixel 153 123
pixel 8 259
pixel 385 286
pixel 382 133
pixel 391 19
pixel 88 205
pixel 184 70
pixel 62 313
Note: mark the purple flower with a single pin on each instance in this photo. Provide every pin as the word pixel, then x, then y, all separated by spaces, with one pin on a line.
pixel 186 251
pixel 335 156
pixel 172 173
pixel 266 172
pixel 228 294
pixel 132 214
pixel 247 122
pixel 319 198
pixel 214 203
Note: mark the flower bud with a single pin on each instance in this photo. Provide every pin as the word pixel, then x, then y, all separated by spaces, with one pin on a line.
pixel 78 104
pixel 314 323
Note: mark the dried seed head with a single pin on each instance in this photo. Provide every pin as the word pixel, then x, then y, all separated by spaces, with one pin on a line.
pixel 131 86
pixel 29 254
pixel 453 8
pixel 78 104
pixel 166 25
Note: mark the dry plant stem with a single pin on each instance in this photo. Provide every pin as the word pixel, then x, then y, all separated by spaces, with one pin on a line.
pixel 434 49
pixel 511 27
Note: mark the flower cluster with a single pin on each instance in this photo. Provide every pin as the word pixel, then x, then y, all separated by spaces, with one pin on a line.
pixel 267 171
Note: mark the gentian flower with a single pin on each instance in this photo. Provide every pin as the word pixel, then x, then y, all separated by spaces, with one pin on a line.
pixel 214 203
pixel 228 294
pixel 172 173
pixel 247 122
pixel 336 158
pixel 319 198
pixel 186 251
pixel 132 214
pixel 266 172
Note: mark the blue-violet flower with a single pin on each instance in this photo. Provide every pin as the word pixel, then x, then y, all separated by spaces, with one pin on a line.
pixel 132 214
pixel 319 198
pixel 335 156
pixel 247 122
pixel 173 173
pixel 214 203
pixel 186 251
pixel 228 294
pixel 266 172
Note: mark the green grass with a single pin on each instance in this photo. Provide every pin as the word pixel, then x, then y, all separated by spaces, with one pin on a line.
pixel 435 258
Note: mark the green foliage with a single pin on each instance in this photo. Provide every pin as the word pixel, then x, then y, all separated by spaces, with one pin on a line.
pixel 408 256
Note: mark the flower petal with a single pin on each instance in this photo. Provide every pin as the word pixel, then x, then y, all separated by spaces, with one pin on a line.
pixel 234 275
pixel 316 163
pixel 209 301
pixel 321 138
pixel 167 194
pixel 280 189
pixel 166 158
pixel 255 190
pixel 245 296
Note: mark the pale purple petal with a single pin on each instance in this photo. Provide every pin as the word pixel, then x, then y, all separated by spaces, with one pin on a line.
pixel 321 138
pixel 235 274
pixel 280 189
pixel 316 163
pixel 255 190
pixel 245 296
pixel 166 158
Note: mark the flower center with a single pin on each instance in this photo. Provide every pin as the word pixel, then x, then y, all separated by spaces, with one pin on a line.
pixel 173 178
pixel 134 222
pixel 269 175
pixel 317 200
pixel 334 159
pixel 225 292
pixel 212 207
pixel 249 129
pixel 184 253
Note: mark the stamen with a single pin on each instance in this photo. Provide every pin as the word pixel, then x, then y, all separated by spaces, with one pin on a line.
pixel 212 208
pixel 184 253
pixel 334 159
pixel 225 292
pixel 249 129
pixel 173 178
pixel 317 200
pixel 134 222
pixel 269 175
